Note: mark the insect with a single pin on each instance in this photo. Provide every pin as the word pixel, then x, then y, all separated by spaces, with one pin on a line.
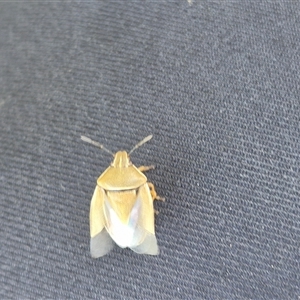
pixel 121 208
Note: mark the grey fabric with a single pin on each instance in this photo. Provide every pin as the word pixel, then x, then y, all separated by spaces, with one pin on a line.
pixel 216 82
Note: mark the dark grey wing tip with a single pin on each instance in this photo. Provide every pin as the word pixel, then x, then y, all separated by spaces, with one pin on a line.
pixel 148 246
pixel 101 244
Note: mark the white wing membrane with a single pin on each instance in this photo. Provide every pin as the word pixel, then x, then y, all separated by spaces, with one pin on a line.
pixel 137 232
pixel 122 233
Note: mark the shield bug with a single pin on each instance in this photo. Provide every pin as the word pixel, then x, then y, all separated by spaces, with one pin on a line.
pixel 121 208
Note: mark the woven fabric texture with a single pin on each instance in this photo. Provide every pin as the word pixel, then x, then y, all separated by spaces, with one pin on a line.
pixel 218 85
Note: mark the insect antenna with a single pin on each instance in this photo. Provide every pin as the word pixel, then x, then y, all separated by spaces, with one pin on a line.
pixel 143 141
pixel 90 141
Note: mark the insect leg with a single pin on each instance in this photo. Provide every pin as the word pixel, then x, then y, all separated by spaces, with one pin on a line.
pixel 153 192
pixel 146 168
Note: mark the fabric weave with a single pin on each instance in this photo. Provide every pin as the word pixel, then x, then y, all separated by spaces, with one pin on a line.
pixel 215 82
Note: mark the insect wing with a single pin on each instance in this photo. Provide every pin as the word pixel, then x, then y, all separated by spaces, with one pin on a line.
pixel 130 221
pixel 145 224
pixel 101 243
pixel 148 246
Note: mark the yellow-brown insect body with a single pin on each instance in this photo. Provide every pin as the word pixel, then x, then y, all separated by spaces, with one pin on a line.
pixel 121 175
pixel 122 210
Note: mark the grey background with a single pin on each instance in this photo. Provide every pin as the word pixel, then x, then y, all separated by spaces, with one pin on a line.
pixel 215 82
